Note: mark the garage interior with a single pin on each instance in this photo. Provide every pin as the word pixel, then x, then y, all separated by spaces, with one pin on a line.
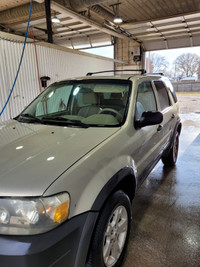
pixel 166 211
pixel 146 25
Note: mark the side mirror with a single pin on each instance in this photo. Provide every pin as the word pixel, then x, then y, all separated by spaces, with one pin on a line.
pixel 149 118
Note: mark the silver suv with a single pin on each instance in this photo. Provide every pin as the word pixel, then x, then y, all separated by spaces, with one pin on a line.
pixel 72 162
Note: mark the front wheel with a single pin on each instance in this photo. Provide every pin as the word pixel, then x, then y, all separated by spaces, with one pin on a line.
pixel 112 232
pixel 171 159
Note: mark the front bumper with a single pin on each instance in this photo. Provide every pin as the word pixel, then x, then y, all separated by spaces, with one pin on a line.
pixel 66 245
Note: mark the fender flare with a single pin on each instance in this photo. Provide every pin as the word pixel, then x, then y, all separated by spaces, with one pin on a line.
pixel 177 128
pixel 120 178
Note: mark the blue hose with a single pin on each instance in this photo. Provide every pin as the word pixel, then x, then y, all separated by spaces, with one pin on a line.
pixel 29 18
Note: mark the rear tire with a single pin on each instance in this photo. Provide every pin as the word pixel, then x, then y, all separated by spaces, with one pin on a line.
pixel 171 159
pixel 111 233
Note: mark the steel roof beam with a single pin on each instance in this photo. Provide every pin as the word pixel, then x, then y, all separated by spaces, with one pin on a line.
pixel 75 35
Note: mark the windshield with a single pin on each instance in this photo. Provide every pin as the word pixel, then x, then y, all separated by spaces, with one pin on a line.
pixel 89 102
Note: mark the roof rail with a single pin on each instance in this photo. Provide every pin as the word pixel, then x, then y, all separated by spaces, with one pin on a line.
pixel 97 72
pixel 154 73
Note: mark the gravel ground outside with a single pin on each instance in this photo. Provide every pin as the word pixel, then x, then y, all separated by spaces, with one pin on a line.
pixel 189 102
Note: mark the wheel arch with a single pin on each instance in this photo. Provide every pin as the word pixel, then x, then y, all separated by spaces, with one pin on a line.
pixel 177 128
pixel 123 180
pixel 118 189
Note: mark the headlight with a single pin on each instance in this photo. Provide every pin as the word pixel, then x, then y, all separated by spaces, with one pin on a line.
pixel 29 216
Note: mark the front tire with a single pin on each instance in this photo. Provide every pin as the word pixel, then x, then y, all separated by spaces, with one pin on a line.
pixel 111 233
pixel 171 159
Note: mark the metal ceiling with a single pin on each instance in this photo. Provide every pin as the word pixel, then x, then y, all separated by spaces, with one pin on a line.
pixel 155 24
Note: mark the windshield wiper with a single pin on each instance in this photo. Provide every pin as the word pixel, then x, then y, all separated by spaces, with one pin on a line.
pixel 28 116
pixel 65 121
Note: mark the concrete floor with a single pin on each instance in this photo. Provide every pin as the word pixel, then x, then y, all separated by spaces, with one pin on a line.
pixel 166 211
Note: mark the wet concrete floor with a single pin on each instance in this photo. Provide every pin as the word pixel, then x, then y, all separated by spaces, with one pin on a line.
pixel 166 210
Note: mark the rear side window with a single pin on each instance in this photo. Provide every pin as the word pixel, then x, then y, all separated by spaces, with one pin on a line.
pixel 145 99
pixel 162 94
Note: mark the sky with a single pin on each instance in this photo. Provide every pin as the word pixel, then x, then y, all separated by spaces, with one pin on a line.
pixel 106 51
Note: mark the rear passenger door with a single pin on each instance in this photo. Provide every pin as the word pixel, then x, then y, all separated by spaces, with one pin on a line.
pixel 165 106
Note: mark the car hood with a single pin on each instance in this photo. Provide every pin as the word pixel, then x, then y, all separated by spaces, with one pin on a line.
pixel 32 156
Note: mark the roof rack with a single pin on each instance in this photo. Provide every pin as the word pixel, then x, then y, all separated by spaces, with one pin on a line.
pixel 154 73
pixel 97 72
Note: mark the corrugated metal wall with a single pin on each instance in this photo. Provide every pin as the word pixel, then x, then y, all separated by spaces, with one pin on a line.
pixel 53 62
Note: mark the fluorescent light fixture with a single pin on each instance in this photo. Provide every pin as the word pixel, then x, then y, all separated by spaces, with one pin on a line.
pixel 55 20
pixel 117 19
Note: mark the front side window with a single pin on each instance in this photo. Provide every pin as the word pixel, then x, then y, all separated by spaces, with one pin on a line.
pixel 86 102
pixel 171 88
pixel 162 95
pixel 145 99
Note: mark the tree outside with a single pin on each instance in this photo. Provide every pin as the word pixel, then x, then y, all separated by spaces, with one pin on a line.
pixel 187 65
pixel 157 64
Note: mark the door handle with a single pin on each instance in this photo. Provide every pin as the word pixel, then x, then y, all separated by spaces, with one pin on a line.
pixel 173 116
pixel 159 128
